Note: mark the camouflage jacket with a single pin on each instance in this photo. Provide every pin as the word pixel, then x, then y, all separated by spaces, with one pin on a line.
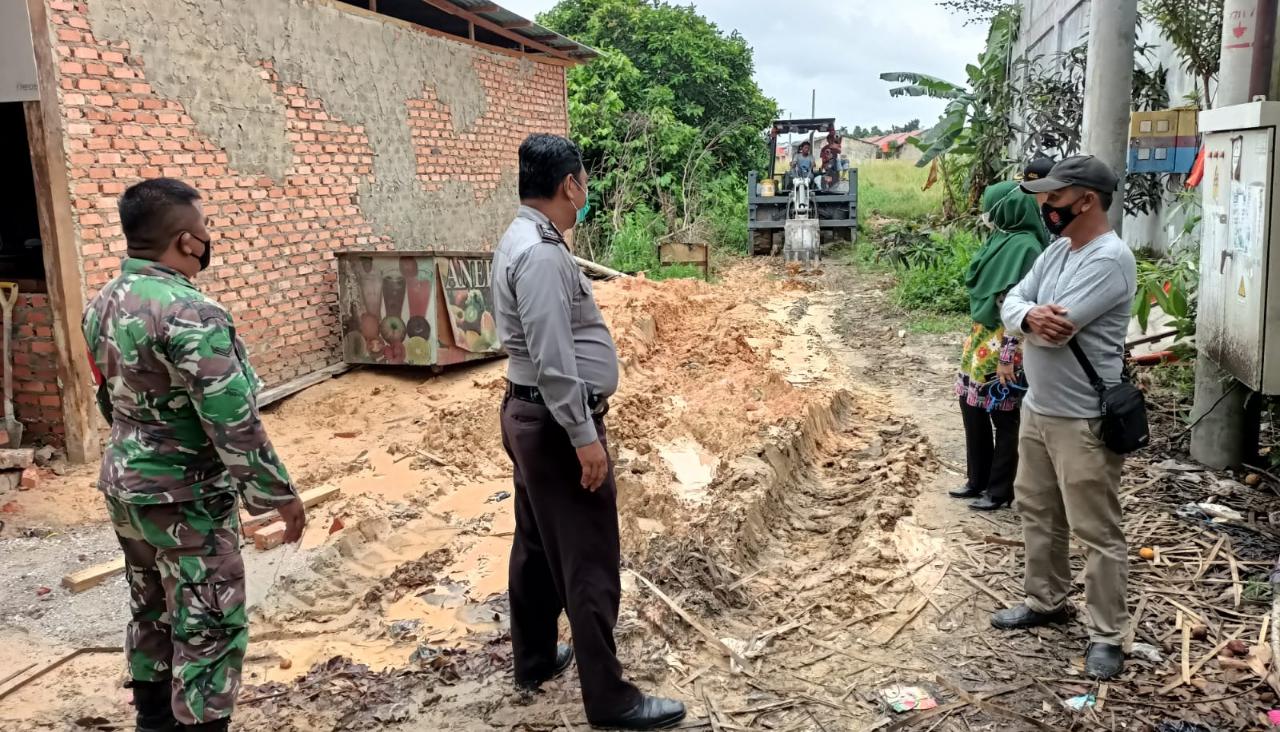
pixel 179 394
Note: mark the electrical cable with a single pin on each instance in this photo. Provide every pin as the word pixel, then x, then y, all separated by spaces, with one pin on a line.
pixel 1209 411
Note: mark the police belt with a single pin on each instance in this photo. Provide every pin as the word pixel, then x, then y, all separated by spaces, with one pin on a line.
pixel 596 403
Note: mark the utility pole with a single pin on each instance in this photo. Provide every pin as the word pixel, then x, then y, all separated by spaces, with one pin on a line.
pixel 1108 88
pixel 1225 428
pixel 813 104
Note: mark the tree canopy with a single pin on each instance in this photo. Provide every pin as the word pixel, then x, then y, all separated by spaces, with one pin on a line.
pixel 669 117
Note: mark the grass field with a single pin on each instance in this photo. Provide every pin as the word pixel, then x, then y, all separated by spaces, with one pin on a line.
pixel 891 189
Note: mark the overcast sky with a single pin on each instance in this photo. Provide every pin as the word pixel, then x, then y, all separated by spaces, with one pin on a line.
pixel 840 49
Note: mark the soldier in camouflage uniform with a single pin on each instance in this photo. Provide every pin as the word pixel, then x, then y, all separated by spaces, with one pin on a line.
pixel 180 396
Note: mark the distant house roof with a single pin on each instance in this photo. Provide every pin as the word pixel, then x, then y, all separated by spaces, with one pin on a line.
pixel 891 141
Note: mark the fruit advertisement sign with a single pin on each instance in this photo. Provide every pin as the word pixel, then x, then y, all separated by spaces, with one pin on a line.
pixel 419 309
pixel 466 290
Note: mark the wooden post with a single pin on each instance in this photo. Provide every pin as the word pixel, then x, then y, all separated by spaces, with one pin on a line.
pixel 59 242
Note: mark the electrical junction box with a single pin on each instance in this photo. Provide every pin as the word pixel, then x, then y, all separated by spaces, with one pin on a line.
pixel 1163 141
pixel 1238 318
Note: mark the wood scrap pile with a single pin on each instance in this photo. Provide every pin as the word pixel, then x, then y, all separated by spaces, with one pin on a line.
pixel 1202 546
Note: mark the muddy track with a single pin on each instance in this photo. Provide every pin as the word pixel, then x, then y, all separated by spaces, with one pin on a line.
pixel 791 548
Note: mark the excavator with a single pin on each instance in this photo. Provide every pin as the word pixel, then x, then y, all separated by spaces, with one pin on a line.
pixel 801 211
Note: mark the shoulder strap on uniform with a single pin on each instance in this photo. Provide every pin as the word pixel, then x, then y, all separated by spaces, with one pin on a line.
pixel 550 234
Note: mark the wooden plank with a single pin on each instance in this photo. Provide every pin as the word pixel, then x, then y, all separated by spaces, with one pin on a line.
pixel 686 253
pixel 489 25
pixel 61 246
pixel 416 28
pixel 293 386
pixel 309 498
pixel 682 253
pixel 93 576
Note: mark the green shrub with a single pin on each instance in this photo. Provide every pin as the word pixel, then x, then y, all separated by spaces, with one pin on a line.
pixel 724 213
pixel 634 246
pixel 934 280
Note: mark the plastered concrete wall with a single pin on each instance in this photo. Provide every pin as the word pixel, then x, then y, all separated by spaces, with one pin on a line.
pixel 308 128
pixel 208 54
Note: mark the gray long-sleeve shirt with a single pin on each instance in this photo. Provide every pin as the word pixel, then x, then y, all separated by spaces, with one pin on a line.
pixel 550 325
pixel 1096 285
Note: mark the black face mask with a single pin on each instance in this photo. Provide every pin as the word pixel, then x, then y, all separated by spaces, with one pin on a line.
pixel 207 255
pixel 1058 218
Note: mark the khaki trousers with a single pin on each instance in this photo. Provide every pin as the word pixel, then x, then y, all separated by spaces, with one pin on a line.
pixel 1069 482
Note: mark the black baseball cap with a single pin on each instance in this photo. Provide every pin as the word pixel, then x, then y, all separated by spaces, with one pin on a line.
pixel 1037 169
pixel 1085 171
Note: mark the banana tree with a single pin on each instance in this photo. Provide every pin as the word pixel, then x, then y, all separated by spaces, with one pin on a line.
pixel 947 134
pixel 975 122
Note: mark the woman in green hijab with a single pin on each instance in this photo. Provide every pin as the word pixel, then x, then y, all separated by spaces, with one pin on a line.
pixel 990 381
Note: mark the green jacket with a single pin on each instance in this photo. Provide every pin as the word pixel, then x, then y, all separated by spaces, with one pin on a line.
pixel 179 394
pixel 1018 238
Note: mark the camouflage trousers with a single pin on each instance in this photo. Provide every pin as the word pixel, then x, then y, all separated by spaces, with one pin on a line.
pixel 187 599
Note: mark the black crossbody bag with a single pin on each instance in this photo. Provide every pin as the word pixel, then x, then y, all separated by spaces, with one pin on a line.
pixel 1124 409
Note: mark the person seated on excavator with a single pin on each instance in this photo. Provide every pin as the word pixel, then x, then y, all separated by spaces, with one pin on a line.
pixel 802 166
pixel 829 172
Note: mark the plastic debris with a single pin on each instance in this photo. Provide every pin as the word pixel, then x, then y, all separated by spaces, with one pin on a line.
pixel 498 497
pixel 1147 652
pixel 1273 716
pixel 1219 512
pixel 1216 511
pixel 908 698
pixel 1080 702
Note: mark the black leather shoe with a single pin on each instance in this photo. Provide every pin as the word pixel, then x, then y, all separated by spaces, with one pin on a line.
pixel 1021 616
pixel 564 657
pixel 965 491
pixel 1103 661
pixel 987 503
pixel 651 713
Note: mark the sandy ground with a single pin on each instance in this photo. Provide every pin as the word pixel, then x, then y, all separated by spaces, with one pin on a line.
pixel 782 455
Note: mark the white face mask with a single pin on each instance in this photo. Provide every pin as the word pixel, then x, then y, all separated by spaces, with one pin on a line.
pixel 985 218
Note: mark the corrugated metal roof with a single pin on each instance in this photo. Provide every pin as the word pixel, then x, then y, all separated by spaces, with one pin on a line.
pixel 885 142
pixel 527 30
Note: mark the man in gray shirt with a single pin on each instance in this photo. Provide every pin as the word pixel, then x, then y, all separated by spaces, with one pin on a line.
pixel 1081 287
pixel 562 371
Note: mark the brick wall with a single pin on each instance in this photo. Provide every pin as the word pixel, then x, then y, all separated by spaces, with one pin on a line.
pixel 274 238
pixel 480 155
pixel 36 395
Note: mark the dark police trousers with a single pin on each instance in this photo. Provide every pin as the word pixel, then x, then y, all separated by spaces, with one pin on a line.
pixel 565 556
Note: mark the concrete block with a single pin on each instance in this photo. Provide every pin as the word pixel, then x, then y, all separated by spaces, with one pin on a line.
pixel 20 458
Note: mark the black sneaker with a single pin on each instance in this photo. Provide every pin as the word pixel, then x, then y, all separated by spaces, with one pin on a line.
pixel 564 657
pixel 1103 661
pixel 1021 616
